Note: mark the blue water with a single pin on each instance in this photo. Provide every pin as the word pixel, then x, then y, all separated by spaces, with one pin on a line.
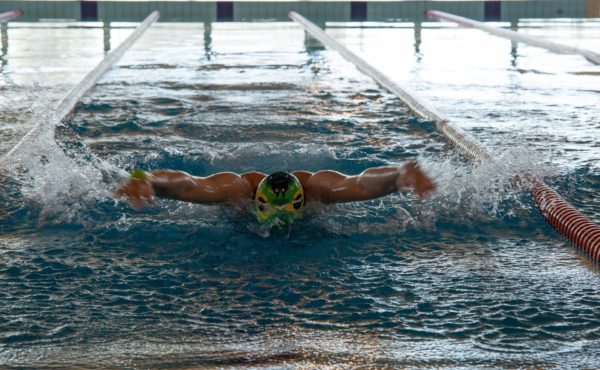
pixel 471 277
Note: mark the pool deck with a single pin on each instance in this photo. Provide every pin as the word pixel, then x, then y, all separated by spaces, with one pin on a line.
pixel 318 11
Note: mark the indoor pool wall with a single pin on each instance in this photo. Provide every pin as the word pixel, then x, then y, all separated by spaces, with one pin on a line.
pixel 317 11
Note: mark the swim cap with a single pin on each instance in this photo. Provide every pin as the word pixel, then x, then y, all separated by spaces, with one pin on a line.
pixel 279 196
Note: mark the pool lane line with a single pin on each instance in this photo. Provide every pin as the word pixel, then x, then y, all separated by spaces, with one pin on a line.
pixel 565 219
pixel 415 104
pixel 68 103
pixel 5 17
pixel 515 36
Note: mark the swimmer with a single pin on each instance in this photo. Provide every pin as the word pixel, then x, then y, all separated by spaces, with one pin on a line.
pixel 280 196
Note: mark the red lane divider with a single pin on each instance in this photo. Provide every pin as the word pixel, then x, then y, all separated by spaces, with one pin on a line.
pixel 559 213
pixel 5 17
pixel 567 220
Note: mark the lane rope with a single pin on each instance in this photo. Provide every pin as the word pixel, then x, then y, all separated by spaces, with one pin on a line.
pixel 5 17
pixel 565 219
pixel 68 103
pixel 515 36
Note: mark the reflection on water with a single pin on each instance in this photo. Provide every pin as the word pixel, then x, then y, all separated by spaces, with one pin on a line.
pixel 4 41
pixel 470 276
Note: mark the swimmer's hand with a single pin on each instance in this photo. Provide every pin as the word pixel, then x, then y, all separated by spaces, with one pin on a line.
pixel 413 178
pixel 138 190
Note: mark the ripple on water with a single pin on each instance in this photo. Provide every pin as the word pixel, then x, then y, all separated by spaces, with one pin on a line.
pixel 471 277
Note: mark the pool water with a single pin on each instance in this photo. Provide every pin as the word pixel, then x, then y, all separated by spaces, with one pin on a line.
pixel 471 277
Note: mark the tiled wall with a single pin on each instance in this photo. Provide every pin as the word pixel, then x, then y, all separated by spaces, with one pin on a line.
pixel 35 10
pixel 318 11
pixel 169 11
pixel 546 9
pixel 415 10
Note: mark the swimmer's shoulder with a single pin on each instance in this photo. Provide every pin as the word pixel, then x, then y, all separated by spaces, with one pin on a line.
pixel 254 178
pixel 303 176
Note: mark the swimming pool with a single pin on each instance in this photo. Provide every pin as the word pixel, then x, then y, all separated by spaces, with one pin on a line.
pixel 472 277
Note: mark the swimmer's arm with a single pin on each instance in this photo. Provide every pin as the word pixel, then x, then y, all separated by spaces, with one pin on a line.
pixel 218 188
pixel 335 187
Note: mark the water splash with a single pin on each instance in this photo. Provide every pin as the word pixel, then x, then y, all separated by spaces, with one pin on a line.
pixel 467 197
pixel 474 195
pixel 65 180
pixel 59 181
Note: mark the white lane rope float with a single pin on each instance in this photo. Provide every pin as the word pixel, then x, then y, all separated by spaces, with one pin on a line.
pixel 5 17
pixel 515 36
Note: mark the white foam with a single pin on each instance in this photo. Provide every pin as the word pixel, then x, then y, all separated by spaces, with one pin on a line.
pixel 62 186
pixel 466 194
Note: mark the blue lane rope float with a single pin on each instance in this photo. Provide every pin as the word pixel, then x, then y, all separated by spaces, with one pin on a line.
pixel 567 220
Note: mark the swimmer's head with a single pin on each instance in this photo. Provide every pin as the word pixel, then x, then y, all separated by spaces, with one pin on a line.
pixel 279 196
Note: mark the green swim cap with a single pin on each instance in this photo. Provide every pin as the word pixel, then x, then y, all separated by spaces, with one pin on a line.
pixel 279 196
